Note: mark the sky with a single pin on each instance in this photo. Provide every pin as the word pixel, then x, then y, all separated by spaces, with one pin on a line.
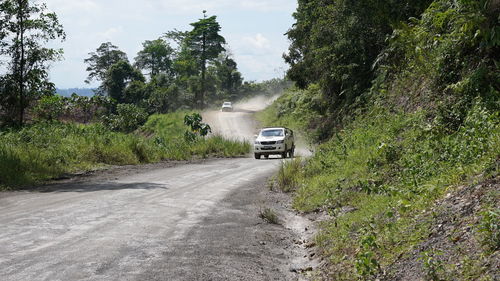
pixel 254 31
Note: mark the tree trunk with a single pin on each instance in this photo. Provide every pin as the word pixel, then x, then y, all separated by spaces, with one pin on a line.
pixel 203 70
pixel 21 63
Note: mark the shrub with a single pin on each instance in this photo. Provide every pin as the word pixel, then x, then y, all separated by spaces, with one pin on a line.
pixel 268 215
pixel 50 107
pixel 489 229
pixel 193 121
pixel 128 118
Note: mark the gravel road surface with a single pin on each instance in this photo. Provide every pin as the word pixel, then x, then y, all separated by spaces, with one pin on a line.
pixel 189 221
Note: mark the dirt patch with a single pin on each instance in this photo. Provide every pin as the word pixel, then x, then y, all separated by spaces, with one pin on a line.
pixel 453 250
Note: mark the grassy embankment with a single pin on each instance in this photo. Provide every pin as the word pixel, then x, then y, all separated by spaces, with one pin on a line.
pixel 416 140
pixel 43 151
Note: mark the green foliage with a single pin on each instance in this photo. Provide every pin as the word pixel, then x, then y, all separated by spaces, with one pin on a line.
pixel 228 79
pixel 335 45
pixel 406 106
pixel 164 99
pixel 24 28
pixel 289 175
pixel 156 56
pixel 489 228
pixel 390 161
pixel 124 83
pixel 204 44
pixel 196 73
pixel 128 118
pixel 433 267
pixel 204 41
pixel 197 128
pixel 366 262
pixel 50 107
pixel 101 61
pixel 85 109
pixel 46 150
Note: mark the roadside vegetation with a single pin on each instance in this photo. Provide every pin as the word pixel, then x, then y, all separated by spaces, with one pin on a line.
pixel 404 108
pixel 47 150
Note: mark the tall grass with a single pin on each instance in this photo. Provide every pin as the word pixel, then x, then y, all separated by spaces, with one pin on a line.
pixel 46 150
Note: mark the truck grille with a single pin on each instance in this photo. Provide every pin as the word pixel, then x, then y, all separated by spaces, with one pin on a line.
pixel 268 148
pixel 267 142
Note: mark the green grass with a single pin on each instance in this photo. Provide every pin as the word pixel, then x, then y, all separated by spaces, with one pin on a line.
pixel 388 168
pixel 269 216
pixel 47 150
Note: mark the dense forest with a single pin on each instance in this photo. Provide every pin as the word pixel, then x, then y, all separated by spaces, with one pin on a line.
pixel 403 98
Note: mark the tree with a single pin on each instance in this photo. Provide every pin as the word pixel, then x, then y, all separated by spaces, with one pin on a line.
pixel 205 44
pixel 335 44
pixel 156 56
pixel 24 27
pixel 163 99
pixel 118 77
pixel 229 79
pixel 101 61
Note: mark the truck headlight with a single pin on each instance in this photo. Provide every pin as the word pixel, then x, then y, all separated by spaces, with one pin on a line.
pixel 280 141
pixel 256 142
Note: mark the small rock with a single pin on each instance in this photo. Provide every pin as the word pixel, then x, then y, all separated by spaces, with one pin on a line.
pixel 310 244
pixel 307 269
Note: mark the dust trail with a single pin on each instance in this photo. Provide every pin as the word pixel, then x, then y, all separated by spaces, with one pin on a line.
pixel 239 124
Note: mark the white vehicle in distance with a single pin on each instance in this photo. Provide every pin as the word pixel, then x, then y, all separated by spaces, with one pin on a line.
pixel 227 106
pixel 274 141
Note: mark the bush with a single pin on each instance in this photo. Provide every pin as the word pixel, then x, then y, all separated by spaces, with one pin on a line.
pixel 50 107
pixel 128 118
pixel 489 229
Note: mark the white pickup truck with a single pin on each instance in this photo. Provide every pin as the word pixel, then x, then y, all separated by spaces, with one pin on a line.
pixel 272 141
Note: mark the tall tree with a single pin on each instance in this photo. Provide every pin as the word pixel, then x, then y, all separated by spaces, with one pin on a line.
pixel 118 77
pixel 229 79
pixel 24 27
pixel 335 43
pixel 156 56
pixel 101 61
pixel 205 44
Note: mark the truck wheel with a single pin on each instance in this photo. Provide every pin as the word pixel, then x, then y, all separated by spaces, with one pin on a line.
pixel 291 153
pixel 257 156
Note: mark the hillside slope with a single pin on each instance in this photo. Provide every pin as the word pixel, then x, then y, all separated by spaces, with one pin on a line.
pixel 407 168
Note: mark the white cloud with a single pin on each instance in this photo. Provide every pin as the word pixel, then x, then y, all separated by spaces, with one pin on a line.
pixel 65 6
pixel 111 33
pixel 258 41
pixel 190 6
pixel 267 5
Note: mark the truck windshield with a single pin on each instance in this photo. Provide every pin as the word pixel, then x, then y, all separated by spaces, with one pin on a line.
pixel 272 133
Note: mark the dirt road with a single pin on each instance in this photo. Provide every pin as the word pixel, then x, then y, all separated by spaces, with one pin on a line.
pixel 191 221
pixel 240 123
